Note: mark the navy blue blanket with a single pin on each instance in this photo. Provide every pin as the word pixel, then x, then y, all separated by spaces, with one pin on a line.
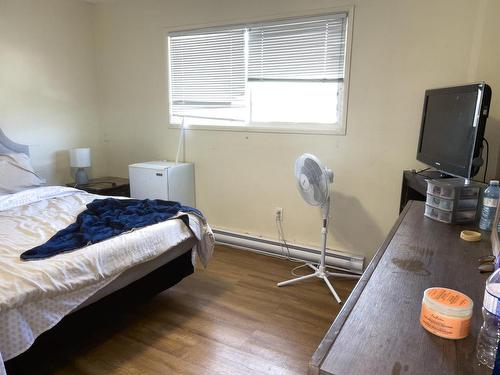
pixel 106 218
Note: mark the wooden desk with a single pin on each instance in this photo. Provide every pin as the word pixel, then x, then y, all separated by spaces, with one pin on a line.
pixel 110 186
pixel 378 329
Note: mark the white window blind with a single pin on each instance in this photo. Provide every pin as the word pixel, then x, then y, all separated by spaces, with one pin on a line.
pixel 301 49
pixel 285 71
pixel 208 74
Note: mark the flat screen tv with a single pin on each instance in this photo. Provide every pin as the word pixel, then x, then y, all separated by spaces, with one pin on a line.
pixel 452 130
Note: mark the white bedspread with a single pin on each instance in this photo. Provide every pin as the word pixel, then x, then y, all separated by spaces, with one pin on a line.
pixel 36 295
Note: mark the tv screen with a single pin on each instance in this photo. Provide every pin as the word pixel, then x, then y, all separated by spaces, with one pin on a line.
pixel 452 130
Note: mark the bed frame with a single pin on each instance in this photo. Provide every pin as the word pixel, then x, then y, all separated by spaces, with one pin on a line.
pixel 150 277
pixel 78 328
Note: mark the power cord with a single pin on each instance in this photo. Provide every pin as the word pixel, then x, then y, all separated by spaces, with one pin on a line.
pixel 296 268
pixel 283 242
pixel 419 173
pixel 487 157
pixel 422 170
pixel 284 245
pixel 287 256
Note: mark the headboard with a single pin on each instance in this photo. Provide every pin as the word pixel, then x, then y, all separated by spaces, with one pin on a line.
pixel 8 146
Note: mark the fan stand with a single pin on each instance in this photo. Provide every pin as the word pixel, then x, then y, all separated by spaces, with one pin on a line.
pixel 320 270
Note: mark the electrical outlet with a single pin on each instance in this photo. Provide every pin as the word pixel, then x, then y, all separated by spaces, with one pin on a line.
pixel 278 213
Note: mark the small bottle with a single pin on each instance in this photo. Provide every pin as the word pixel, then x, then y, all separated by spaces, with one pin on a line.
pixel 489 207
pixel 489 336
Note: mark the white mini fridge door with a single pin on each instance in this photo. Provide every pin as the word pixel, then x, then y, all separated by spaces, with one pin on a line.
pixel 181 184
pixel 148 183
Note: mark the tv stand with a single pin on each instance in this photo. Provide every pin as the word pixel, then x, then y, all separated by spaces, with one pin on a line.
pixel 414 186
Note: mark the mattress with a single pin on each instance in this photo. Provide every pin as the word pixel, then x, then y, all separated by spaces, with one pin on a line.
pixel 36 295
pixel 135 273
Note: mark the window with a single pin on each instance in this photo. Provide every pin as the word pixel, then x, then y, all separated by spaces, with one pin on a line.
pixel 286 74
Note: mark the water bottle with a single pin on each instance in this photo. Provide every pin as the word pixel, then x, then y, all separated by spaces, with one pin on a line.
pixel 490 201
pixel 489 336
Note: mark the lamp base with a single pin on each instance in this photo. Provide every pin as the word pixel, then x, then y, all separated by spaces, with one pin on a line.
pixel 81 177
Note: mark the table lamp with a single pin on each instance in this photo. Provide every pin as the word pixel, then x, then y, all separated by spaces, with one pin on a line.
pixel 80 158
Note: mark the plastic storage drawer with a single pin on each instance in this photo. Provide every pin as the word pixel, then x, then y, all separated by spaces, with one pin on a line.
pixel 448 204
pixel 465 216
pixel 452 188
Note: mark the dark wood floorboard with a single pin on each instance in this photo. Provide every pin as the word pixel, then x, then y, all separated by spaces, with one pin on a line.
pixel 227 319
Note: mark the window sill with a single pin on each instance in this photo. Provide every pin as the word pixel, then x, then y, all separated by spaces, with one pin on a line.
pixel 305 129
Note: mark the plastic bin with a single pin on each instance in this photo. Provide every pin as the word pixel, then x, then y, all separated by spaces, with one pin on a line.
pixel 465 216
pixel 452 188
pixel 437 214
pixel 451 204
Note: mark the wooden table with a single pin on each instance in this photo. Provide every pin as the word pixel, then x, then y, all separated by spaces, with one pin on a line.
pixel 110 186
pixel 378 329
pixel 414 186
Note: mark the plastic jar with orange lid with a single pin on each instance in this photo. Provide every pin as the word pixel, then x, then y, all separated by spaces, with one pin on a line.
pixel 446 313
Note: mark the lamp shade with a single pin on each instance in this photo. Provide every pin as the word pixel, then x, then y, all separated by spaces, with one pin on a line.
pixel 79 157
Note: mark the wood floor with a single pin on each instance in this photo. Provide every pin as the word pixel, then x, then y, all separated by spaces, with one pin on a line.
pixel 228 319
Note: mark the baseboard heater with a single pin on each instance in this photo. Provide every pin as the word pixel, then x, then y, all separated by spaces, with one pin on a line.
pixel 335 259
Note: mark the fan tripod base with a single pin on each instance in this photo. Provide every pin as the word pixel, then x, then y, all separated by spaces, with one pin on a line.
pixel 322 274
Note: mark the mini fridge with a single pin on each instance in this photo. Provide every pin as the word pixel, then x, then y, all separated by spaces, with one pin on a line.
pixel 163 180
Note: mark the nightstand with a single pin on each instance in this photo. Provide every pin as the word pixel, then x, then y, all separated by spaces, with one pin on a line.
pixel 113 186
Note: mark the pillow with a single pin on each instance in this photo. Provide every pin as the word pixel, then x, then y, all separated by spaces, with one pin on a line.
pixel 16 173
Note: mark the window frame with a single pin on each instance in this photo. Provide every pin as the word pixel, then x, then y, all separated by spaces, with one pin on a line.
pixel 273 127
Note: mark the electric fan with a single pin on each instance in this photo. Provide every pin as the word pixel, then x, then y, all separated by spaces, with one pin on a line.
pixel 313 181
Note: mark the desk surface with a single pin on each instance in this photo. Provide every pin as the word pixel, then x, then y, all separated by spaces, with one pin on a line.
pixel 378 329
pixel 105 185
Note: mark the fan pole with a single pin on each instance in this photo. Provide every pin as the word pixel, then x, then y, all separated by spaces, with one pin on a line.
pixel 324 235
pixel 320 270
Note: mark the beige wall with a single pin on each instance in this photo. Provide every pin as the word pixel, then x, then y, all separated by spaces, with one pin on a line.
pixel 400 48
pixel 486 66
pixel 48 96
pixel 79 74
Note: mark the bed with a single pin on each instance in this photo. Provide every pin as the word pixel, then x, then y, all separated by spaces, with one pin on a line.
pixel 36 295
